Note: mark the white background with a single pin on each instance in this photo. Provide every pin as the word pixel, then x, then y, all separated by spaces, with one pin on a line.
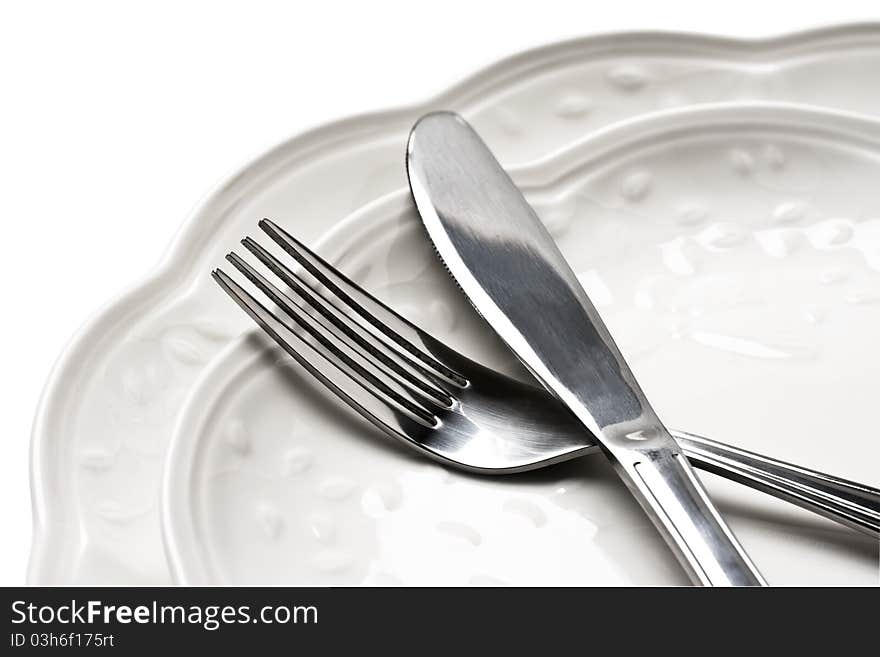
pixel 116 120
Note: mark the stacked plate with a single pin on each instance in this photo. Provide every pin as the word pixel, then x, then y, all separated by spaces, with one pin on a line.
pixel 717 199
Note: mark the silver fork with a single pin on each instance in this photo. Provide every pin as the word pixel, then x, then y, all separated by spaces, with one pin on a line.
pixel 455 410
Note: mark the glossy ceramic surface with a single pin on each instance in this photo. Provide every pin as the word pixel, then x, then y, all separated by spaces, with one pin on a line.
pixel 734 253
pixel 107 412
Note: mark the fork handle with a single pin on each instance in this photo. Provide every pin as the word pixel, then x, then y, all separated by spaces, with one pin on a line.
pixel 847 502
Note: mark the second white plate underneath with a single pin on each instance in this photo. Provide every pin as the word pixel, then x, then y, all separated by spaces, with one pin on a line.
pixel 735 255
pixel 107 414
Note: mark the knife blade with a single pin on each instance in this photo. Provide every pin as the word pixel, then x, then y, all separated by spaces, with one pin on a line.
pixel 511 270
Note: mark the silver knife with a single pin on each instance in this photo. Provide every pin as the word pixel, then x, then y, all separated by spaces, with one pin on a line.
pixel 511 270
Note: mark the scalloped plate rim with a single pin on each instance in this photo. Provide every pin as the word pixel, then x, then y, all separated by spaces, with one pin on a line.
pixel 51 521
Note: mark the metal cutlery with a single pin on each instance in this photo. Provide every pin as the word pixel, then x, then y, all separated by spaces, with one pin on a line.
pixel 509 267
pixel 448 407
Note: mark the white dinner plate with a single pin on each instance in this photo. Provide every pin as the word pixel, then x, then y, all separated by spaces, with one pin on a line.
pixel 108 409
pixel 734 253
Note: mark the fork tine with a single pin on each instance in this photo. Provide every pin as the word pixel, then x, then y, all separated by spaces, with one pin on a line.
pixel 335 320
pixel 372 407
pixel 383 321
pixel 324 349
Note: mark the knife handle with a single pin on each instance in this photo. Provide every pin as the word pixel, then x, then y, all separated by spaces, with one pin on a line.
pixel 666 486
